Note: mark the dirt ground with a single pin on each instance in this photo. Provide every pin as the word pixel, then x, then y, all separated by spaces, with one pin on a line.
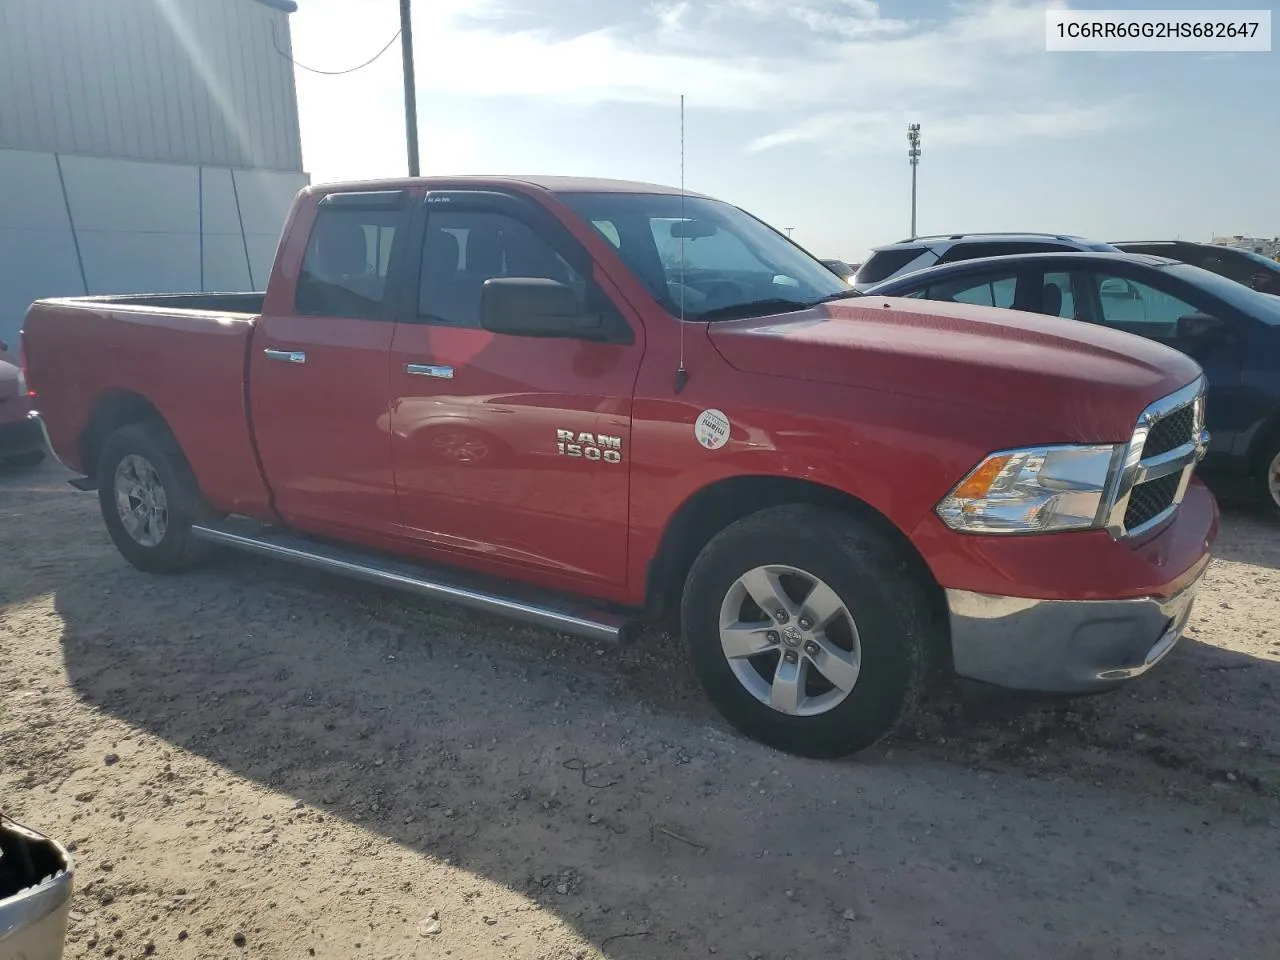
pixel 254 761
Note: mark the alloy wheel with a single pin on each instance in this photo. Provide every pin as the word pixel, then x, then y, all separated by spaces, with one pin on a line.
pixel 790 640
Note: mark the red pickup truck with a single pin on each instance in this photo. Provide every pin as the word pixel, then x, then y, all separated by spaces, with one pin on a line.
pixel 589 403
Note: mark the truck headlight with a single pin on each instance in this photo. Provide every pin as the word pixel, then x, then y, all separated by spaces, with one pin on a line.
pixel 1036 490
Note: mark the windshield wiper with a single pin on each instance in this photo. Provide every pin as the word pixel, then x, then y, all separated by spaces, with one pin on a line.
pixel 842 295
pixel 754 308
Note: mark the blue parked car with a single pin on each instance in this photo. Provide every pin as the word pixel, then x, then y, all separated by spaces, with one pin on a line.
pixel 1233 332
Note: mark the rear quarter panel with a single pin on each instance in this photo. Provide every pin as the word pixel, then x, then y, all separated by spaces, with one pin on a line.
pixel 189 366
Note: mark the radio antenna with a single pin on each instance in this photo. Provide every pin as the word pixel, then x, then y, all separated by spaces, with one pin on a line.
pixel 682 375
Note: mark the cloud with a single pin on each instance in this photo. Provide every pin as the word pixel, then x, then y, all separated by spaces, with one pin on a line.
pixel 788 69
pixel 729 54
pixel 860 132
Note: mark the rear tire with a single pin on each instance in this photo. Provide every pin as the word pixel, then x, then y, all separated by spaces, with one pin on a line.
pixel 857 616
pixel 149 499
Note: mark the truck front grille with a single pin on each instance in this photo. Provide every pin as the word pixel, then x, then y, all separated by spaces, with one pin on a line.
pixel 1167 443
pixel 1149 500
pixel 1171 432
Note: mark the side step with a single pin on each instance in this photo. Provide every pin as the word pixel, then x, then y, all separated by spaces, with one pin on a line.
pixel 436 584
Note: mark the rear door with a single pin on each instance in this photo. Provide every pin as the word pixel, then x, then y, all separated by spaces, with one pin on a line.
pixel 510 448
pixel 318 368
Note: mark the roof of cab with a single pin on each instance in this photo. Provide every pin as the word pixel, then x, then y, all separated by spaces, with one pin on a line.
pixel 551 184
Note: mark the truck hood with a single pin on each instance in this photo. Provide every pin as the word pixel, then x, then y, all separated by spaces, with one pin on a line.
pixel 1084 382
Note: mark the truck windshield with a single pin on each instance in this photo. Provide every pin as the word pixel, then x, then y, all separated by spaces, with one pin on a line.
pixel 707 259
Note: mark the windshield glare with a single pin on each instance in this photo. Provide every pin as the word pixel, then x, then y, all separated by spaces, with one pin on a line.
pixel 708 255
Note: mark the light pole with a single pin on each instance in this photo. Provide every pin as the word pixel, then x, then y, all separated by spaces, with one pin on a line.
pixel 410 96
pixel 913 143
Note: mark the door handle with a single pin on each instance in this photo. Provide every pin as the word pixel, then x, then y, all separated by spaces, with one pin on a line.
pixel 429 370
pixel 288 356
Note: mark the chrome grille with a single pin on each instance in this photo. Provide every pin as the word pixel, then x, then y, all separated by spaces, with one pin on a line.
pixel 1167 443
pixel 1171 432
pixel 1150 499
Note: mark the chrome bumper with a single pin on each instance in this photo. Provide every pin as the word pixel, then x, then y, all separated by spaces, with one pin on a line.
pixel 1063 646
pixel 33 917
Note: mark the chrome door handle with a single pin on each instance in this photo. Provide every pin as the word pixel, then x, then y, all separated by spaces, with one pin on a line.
pixel 429 370
pixel 288 356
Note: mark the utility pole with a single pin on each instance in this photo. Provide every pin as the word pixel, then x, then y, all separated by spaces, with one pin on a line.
pixel 788 229
pixel 410 96
pixel 913 152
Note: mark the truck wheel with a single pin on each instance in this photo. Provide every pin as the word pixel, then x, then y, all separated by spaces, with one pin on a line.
pixel 149 499
pixel 808 630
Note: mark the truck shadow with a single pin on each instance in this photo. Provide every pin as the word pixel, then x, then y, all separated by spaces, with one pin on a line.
pixel 545 764
pixel 550 766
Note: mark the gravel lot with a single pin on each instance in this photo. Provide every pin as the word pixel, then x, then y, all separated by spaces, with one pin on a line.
pixel 254 761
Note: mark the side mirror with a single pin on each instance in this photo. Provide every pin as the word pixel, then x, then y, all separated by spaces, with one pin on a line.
pixel 535 307
pixel 1201 326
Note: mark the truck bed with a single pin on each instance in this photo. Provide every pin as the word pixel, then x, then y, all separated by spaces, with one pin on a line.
pixel 240 303
pixel 183 354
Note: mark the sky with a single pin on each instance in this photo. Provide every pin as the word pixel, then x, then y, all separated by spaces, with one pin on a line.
pixel 797 111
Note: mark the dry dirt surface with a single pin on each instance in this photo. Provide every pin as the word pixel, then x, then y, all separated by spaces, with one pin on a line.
pixel 253 761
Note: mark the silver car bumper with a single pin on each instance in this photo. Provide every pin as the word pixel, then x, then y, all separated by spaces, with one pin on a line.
pixel 35 902
pixel 1063 646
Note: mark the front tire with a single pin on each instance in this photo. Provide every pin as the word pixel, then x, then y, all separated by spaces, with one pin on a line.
pixel 808 630
pixel 149 499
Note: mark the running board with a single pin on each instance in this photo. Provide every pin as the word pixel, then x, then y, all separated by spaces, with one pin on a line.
pixel 593 624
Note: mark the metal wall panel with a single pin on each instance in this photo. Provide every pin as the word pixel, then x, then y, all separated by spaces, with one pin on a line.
pixel 71 225
pixel 195 82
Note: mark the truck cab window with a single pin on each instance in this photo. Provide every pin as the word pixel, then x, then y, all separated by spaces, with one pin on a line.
pixel 348 259
pixel 463 250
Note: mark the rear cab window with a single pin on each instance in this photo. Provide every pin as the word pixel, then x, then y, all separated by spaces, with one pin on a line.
pixel 352 251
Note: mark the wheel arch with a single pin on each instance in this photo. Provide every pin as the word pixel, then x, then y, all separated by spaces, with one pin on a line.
pixel 1264 440
pixel 110 412
pixel 717 505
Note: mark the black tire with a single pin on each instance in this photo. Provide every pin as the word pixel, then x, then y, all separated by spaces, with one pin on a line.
pixel 880 590
pixel 29 459
pixel 176 549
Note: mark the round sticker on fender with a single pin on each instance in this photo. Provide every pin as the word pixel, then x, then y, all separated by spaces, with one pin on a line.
pixel 712 429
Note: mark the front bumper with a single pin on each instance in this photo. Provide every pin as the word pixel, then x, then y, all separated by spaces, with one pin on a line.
pixel 1064 646
pixel 21 436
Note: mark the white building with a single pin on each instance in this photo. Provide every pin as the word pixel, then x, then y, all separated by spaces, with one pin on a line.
pixel 1268 248
pixel 145 145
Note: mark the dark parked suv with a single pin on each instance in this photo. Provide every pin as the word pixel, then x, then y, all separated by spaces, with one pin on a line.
pixel 1243 266
pixel 907 256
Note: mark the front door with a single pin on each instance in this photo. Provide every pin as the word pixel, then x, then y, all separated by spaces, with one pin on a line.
pixel 318 370
pixel 509 448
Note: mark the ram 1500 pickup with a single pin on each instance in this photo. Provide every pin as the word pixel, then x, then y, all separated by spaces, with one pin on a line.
pixel 588 403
